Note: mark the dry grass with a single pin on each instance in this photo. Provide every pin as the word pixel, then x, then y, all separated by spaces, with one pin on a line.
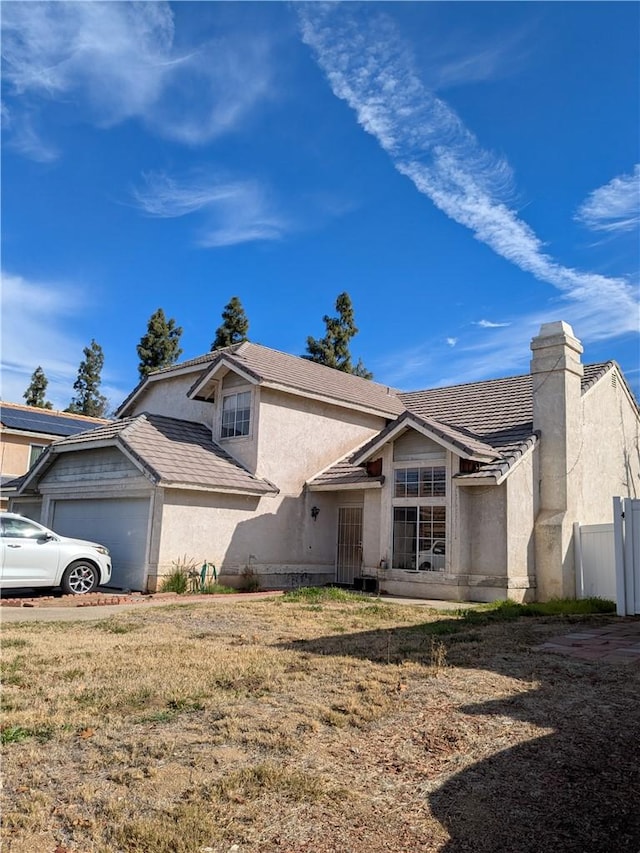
pixel 326 726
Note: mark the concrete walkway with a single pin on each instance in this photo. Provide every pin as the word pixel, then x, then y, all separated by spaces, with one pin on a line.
pixel 618 642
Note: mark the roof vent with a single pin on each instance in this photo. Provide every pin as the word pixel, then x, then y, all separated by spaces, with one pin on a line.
pixel 614 379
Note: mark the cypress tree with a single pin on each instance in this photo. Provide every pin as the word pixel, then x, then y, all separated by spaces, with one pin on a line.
pixel 235 325
pixel 88 400
pixel 160 347
pixel 333 349
pixel 35 393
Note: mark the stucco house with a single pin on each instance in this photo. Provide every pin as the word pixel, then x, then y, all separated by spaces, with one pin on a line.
pixel 25 431
pixel 249 457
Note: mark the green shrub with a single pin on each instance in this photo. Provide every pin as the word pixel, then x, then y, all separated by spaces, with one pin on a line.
pixel 316 595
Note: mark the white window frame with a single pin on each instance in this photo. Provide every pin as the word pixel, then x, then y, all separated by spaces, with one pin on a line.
pixel 32 448
pixel 417 501
pixel 227 396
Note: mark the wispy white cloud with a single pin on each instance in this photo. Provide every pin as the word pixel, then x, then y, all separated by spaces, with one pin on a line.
pixel 370 67
pixel 490 324
pixel 118 61
pixel 452 341
pixel 463 55
pixel 613 207
pixel 24 138
pixel 234 211
pixel 38 318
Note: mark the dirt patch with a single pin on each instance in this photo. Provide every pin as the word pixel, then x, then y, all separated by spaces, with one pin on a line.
pixel 277 726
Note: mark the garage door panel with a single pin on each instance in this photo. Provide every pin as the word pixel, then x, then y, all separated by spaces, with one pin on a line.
pixel 120 524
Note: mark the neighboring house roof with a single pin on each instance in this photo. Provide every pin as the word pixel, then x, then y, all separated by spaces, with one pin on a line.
pixel 490 422
pixel 290 373
pixel 49 422
pixel 171 452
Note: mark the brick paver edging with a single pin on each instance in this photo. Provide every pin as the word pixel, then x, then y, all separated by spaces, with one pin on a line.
pixel 99 599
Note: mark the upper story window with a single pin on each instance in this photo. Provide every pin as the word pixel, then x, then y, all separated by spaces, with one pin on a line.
pixel 236 414
pixel 35 450
pixel 428 481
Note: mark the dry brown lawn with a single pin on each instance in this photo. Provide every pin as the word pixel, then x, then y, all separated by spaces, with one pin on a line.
pixel 287 726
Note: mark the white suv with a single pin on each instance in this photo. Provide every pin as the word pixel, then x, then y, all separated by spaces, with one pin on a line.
pixel 34 556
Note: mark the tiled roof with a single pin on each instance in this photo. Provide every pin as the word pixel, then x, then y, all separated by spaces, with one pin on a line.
pixel 495 414
pixel 174 452
pixel 345 474
pixel 498 411
pixel 271 367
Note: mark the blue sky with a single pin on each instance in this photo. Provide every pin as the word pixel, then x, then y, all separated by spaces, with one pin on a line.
pixel 466 171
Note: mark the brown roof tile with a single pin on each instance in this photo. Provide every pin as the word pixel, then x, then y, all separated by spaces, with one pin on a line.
pixel 175 452
pixel 494 414
pixel 271 367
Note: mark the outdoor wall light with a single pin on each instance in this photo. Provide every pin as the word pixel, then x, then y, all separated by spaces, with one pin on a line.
pixel 315 512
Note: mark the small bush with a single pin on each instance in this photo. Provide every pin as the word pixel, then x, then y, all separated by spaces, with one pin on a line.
pixel 176 581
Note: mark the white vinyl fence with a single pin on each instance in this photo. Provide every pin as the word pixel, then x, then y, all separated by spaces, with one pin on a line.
pixel 595 561
pixel 626 523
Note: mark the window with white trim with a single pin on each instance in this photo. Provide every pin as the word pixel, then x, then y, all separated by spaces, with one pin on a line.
pixel 35 451
pixel 420 518
pixel 236 414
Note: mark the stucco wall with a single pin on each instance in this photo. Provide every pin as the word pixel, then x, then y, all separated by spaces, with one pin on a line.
pixel 299 437
pixel 485 527
pixel 274 535
pixel 15 451
pixel 522 505
pixel 169 397
pixel 610 453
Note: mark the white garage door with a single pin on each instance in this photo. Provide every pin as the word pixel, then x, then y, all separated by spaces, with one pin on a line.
pixel 120 524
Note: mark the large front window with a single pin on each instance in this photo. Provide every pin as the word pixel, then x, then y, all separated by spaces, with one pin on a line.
pixel 420 518
pixel 419 538
pixel 236 414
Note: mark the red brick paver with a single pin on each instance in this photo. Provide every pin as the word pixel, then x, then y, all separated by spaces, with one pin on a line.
pixel 618 642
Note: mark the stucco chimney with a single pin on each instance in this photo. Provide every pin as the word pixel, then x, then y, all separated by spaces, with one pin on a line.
pixel 556 377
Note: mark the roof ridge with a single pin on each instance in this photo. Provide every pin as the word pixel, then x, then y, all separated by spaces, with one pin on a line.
pixel 511 378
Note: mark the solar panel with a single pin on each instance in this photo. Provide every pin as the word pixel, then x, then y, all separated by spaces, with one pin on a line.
pixel 43 421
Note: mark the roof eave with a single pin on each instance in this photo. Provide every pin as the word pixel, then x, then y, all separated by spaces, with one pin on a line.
pixel 343 487
pixel 209 375
pixel 228 490
pixel 408 421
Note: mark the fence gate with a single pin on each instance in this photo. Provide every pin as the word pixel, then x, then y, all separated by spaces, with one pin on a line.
pixel 595 561
pixel 349 556
pixel 626 522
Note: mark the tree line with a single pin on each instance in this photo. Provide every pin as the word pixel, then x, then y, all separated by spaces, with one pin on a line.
pixel 160 347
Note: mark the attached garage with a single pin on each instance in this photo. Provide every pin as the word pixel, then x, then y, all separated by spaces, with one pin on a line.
pixel 122 524
pixel 109 486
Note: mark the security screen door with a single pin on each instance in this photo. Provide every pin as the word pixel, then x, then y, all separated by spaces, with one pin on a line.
pixel 349 556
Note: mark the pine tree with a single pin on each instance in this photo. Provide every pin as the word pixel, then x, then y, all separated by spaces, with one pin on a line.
pixel 333 349
pixel 88 400
pixel 235 325
pixel 160 347
pixel 35 393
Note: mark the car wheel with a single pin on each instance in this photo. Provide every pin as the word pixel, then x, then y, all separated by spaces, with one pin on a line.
pixel 424 567
pixel 79 578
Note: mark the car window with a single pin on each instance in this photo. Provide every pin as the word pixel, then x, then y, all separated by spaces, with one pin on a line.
pixel 19 528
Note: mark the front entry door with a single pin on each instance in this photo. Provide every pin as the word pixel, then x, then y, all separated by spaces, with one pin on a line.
pixel 349 556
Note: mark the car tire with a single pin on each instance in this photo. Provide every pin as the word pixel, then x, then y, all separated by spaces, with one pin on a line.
pixel 425 567
pixel 79 578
